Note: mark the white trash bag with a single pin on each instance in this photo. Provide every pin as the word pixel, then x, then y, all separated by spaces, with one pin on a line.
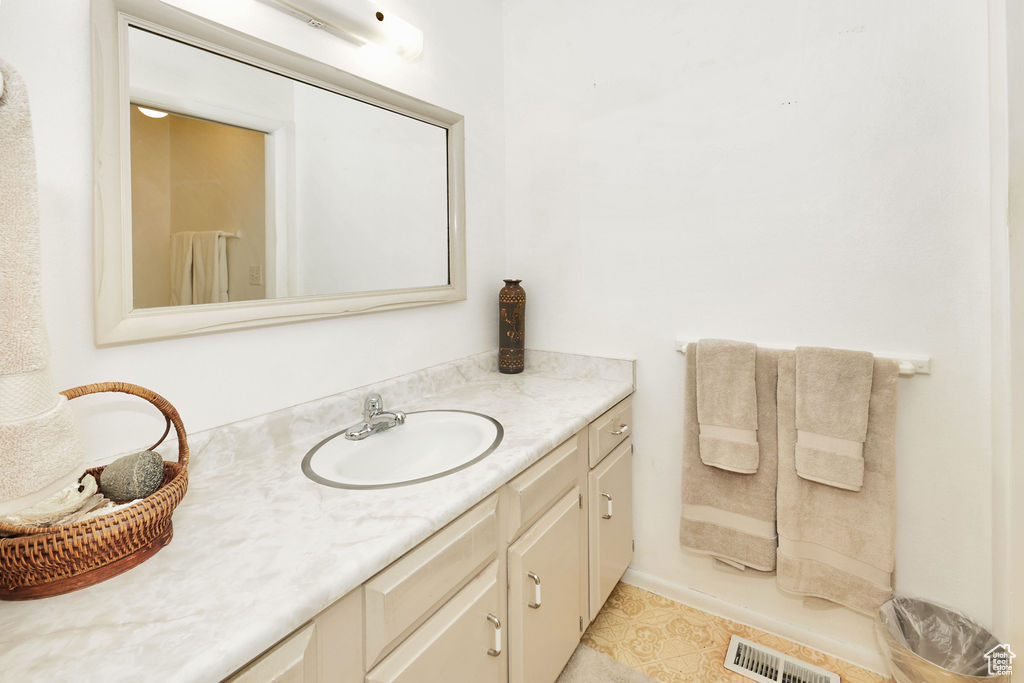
pixel 925 643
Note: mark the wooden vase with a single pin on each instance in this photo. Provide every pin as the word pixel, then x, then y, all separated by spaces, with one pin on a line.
pixel 511 327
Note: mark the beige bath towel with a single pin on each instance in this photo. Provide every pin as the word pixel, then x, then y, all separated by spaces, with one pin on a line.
pixel 833 543
pixel 728 515
pixel 39 450
pixel 727 404
pixel 833 388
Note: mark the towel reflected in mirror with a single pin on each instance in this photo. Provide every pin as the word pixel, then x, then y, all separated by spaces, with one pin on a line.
pixel 199 267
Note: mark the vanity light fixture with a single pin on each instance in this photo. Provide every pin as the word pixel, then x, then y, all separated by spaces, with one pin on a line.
pixel 151 113
pixel 357 21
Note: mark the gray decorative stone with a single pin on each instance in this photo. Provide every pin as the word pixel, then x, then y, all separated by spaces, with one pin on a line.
pixel 132 476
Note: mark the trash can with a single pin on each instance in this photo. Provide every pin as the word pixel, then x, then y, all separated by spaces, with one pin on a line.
pixel 925 643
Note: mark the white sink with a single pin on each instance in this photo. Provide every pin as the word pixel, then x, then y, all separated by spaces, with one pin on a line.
pixel 431 444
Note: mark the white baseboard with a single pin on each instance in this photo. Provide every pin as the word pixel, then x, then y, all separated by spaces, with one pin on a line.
pixel 860 656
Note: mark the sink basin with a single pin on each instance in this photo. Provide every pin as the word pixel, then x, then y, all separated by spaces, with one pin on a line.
pixel 431 444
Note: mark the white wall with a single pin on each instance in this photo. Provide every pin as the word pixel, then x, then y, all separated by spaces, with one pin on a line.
pixel 793 172
pixel 1011 475
pixel 1002 381
pixel 219 378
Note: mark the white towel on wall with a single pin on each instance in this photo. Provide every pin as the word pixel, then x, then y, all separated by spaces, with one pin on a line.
pixel 209 267
pixel 23 342
pixel 199 267
pixel 39 448
pixel 181 268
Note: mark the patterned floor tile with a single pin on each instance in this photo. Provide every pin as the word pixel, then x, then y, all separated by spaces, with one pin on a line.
pixel 675 643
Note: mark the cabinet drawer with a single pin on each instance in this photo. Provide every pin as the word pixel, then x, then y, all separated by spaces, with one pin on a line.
pixel 402 596
pixel 533 491
pixel 611 523
pixel 293 660
pixel 611 429
pixel 456 645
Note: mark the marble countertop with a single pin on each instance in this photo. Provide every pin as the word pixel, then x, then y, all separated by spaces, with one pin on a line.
pixel 259 549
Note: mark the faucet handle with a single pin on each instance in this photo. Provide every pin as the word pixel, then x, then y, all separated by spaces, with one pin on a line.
pixel 372 405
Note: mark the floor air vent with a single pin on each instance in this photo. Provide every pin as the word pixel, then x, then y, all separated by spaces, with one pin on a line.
pixel 760 663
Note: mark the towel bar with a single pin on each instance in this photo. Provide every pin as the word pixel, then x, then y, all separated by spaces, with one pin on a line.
pixel 910 364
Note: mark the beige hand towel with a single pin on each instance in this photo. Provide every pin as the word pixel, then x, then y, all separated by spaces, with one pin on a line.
pixel 727 404
pixel 833 388
pixel 833 543
pixel 39 449
pixel 728 515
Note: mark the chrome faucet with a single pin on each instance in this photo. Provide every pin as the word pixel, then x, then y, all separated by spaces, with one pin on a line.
pixel 375 419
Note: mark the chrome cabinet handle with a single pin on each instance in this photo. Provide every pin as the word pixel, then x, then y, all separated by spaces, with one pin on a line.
pixel 621 430
pixel 608 515
pixel 496 650
pixel 536 591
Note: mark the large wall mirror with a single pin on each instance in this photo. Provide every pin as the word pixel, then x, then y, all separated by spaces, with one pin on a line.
pixel 240 184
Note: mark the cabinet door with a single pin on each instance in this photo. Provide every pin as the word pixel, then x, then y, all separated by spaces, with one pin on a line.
pixel 293 660
pixel 547 592
pixel 611 523
pixel 463 642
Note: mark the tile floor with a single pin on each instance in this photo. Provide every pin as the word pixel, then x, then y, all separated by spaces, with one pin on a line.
pixel 671 642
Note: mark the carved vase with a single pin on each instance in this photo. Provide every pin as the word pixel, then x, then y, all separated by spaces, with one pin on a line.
pixel 511 327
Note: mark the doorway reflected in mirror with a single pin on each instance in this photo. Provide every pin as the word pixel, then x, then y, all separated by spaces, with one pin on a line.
pixel 198 210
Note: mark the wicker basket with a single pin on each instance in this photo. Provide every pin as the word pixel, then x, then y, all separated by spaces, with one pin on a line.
pixel 61 559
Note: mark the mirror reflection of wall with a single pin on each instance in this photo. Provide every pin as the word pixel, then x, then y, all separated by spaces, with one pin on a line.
pixel 329 194
pixel 194 183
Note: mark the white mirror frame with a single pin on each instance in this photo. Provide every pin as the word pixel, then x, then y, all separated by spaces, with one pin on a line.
pixel 116 321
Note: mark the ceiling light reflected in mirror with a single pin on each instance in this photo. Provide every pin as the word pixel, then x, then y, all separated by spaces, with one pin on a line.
pixel 151 113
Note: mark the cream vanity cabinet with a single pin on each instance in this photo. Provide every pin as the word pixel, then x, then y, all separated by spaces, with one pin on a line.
pixel 610 489
pixel 503 593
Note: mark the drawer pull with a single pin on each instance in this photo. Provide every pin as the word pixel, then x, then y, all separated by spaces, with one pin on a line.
pixel 536 591
pixel 607 515
pixel 496 650
pixel 621 430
